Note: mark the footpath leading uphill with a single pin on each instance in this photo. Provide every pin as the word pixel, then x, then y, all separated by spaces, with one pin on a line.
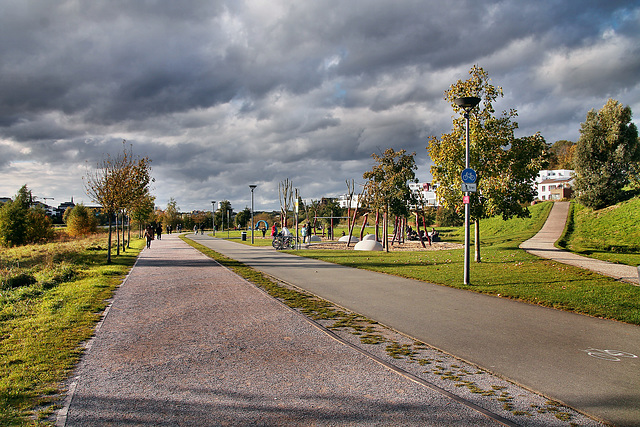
pixel 543 245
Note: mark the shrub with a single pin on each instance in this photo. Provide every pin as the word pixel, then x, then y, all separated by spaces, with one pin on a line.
pixel 81 221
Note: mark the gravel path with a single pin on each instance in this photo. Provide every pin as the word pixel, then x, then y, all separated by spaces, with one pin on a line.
pixel 188 343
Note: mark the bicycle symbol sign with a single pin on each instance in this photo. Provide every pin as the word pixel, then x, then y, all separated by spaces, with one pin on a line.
pixel 611 355
pixel 469 176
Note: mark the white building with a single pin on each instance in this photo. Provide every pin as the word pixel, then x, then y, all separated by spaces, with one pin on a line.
pixel 554 184
pixel 343 201
pixel 425 191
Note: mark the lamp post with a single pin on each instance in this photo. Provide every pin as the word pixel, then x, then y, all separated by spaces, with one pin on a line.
pixel 213 217
pixel 252 187
pixel 467 103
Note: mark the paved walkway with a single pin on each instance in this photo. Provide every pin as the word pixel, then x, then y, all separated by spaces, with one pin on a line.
pixel 551 351
pixel 188 343
pixel 542 245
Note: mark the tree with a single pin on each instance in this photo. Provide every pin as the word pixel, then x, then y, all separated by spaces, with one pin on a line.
pixel 561 155
pixel 172 213
pixel 387 186
pixel 116 183
pixel 243 218
pixel 21 223
pixel 225 213
pixel 142 211
pixel 81 221
pixel 606 154
pixel 285 191
pixel 39 226
pixel 506 166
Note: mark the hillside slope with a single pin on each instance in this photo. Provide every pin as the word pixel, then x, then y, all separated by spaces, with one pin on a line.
pixel 611 234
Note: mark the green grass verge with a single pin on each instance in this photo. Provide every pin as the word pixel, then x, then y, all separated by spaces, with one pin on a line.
pixel 51 298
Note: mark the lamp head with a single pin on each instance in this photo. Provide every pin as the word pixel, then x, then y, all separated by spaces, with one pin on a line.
pixel 467 103
pixel 252 186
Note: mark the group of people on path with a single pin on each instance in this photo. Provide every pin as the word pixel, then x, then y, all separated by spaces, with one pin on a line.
pixel 152 232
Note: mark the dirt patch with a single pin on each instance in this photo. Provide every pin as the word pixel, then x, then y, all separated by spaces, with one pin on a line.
pixel 397 247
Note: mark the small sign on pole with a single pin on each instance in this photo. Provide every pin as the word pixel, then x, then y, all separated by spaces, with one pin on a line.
pixel 466 200
pixel 469 188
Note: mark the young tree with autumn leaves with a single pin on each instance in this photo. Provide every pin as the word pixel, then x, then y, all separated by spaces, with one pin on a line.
pixel 506 166
pixel 118 183
pixel 387 186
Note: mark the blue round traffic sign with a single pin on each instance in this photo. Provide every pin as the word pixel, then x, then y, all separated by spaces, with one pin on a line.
pixel 469 176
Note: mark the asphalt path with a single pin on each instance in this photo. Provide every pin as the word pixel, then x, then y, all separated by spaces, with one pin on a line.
pixel 587 363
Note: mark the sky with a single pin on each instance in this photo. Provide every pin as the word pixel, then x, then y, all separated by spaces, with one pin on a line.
pixel 223 94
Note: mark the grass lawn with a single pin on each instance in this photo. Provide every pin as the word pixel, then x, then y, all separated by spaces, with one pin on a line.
pixel 505 270
pixel 51 297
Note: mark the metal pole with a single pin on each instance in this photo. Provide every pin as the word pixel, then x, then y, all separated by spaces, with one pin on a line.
pixel 253 186
pixel 467 208
pixel 467 104
pixel 213 217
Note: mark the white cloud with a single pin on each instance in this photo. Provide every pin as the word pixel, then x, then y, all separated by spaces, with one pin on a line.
pixel 225 93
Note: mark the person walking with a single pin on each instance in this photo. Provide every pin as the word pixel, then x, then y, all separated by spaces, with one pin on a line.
pixel 148 234
pixel 303 232
pixel 308 231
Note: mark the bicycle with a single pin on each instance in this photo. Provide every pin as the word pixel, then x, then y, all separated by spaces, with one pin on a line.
pixel 281 242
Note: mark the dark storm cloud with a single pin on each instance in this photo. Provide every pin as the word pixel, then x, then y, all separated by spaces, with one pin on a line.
pixel 220 93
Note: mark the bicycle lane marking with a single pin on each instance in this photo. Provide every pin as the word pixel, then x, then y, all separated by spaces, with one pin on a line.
pixel 610 355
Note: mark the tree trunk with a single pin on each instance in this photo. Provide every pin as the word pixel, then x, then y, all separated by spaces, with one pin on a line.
pixel 109 241
pixel 424 224
pixel 124 240
pixel 117 237
pixel 377 232
pixel 364 224
pixel 351 225
pixel 418 230
pixel 477 239
pixel 395 228
pixel 385 229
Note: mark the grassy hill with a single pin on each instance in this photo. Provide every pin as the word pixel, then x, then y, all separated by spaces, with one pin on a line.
pixel 611 234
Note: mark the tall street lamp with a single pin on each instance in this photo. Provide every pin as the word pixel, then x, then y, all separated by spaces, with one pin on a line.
pixel 467 103
pixel 213 217
pixel 252 187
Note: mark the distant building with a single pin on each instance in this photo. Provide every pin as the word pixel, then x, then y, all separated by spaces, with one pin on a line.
pixel 343 201
pixel 554 184
pixel 425 191
pixel 63 207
